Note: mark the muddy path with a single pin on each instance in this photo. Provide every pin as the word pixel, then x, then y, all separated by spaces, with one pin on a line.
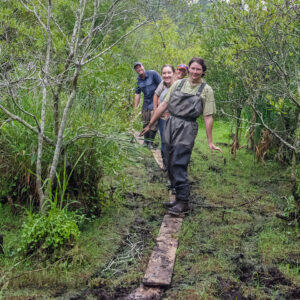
pixel 230 246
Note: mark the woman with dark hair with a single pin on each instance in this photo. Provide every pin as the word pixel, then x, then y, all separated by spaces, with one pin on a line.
pixel 186 100
pixel 168 78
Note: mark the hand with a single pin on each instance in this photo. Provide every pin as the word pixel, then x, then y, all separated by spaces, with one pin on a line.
pixel 147 128
pixel 213 147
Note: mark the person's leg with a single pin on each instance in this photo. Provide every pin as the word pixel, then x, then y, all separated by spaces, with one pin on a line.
pixel 146 116
pixel 178 167
pixel 152 131
pixel 160 125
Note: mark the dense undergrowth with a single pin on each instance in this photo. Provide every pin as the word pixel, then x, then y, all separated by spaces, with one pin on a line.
pixel 232 245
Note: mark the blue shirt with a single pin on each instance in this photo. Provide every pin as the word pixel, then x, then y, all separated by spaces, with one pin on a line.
pixel 148 86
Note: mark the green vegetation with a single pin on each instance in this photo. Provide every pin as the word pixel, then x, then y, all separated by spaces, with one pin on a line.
pixel 66 118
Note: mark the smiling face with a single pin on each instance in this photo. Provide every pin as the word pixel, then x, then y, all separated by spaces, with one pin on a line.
pixel 140 70
pixel 180 73
pixel 167 75
pixel 195 71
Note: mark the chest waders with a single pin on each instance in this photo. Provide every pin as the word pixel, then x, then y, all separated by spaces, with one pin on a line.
pixel 180 132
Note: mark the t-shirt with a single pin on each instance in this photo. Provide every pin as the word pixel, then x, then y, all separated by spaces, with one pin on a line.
pixel 160 88
pixel 207 95
pixel 148 86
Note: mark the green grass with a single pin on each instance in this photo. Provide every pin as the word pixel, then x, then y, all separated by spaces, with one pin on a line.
pixel 229 242
pixel 233 225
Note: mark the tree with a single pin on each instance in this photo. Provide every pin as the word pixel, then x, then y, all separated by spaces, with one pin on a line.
pixel 255 46
pixel 44 48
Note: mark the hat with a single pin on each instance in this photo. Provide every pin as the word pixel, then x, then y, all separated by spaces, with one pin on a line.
pixel 183 66
pixel 137 64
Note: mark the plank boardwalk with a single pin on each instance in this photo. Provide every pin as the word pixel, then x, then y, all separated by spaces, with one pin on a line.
pixel 160 267
pixel 159 271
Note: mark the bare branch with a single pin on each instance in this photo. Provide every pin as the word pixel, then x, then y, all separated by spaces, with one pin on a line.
pixel 35 13
pixel 237 118
pixel 20 120
pixel 77 28
pixel 61 31
pixel 90 34
pixel 107 20
pixel 259 114
pixel 93 135
pixel 115 43
pixel 21 109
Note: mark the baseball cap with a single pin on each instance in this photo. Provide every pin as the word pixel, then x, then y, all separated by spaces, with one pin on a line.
pixel 137 64
pixel 183 66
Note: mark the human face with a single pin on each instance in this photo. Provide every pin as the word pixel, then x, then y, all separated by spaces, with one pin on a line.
pixel 140 70
pixel 180 73
pixel 167 75
pixel 195 71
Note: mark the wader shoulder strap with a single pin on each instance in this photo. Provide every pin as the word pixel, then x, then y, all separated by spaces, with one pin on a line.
pixel 181 84
pixel 200 89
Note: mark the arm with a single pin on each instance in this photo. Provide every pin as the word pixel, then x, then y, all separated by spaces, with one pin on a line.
pixel 157 94
pixel 155 102
pixel 137 99
pixel 157 114
pixel 208 120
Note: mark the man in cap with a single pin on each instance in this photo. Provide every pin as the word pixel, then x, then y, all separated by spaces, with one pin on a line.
pixel 147 82
pixel 181 71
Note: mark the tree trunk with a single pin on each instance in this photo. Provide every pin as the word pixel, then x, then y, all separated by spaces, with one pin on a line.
pixel 236 138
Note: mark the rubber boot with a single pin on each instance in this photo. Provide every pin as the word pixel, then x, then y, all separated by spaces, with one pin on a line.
pixel 146 139
pixel 180 208
pixel 169 204
pixel 151 139
pixel 164 168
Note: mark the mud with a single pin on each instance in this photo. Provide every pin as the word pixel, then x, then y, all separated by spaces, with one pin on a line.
pixel 100 292
pixel 228 290
pixel 294 293
pixel 215 169
pixel 272 277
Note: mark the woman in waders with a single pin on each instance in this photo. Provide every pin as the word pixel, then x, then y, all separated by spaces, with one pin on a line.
pixel 185 100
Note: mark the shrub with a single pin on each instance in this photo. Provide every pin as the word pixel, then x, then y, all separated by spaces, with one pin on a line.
pixel 48 232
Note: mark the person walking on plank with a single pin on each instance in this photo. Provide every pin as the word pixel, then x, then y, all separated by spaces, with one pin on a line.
pixel 185 100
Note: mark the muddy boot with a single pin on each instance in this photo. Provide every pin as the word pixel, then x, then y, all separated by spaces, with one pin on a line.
pixel 151 139
pixel 169 204
pixel 150 146
pixel 180 208
pixel 146 139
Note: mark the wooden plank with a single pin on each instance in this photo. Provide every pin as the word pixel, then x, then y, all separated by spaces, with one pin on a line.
pixel 138 138
pixel 145 293
pixel 172 197
pixel 157 155
pixel 160 267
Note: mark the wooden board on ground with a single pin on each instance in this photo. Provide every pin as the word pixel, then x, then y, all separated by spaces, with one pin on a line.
pixel 160 267
pixel 145 293
pixel 138 138
pixel 157 155
pixel 172 196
